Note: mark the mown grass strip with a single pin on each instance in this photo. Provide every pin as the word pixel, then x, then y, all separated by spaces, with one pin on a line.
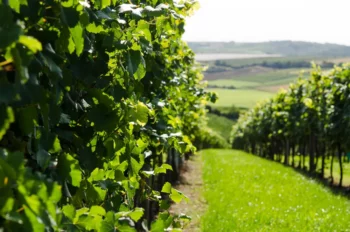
pixel 247 193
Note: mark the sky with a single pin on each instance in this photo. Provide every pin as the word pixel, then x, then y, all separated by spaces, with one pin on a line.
pixel 323 21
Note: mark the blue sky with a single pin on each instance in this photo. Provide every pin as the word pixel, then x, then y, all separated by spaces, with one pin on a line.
pixel 264 20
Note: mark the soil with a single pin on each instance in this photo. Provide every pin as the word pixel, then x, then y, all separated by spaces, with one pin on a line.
pixel 191 185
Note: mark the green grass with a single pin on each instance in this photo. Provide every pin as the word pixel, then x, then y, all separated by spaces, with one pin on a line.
pixel 265 78
pixel 284 81
pixel 247 78
pixel 247 193
pixel 246 98
pixel 221 125
pixel 336 169
pixel 232 82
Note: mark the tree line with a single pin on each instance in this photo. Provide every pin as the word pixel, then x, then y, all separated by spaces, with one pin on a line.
pixel 280 64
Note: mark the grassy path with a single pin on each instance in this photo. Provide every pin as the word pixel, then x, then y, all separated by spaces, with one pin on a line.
pixel 246 193
pixel 242 192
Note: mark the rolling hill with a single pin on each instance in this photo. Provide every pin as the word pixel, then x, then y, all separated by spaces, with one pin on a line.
pixel 284 48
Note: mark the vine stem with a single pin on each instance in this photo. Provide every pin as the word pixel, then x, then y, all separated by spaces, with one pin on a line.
pixel 6 62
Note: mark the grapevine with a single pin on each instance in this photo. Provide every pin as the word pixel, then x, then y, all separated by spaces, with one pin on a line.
pixel 303 126
pixel 98 100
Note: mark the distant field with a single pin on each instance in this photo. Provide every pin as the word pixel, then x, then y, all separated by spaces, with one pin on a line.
pixel 270 76
pixel 340 60
pixel 273 88
pixel 230 74
pixel 259 60
pixel 265 77
pixel 246 98
pixel 232 82
pixel 230 56
pixel 221 125
pixel 255 80
pixel 246 193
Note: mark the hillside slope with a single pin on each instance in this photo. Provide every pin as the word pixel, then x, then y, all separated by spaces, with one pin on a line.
pixel 285 48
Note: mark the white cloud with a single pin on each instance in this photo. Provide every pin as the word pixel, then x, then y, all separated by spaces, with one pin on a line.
pixel 264 20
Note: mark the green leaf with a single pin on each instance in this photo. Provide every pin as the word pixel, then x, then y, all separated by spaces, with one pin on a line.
pixel 8 172
pixel 21 70
pixel 97 174
pixel 78 39
pixel 70 16
pixel 166 188
pixel 51 65
pixel 81 211
pixel 86 222
pixel 56 193
pixel 97 210
pixel 137 214
pixel 56 145
pixel 66 40
pixel 95 29
pixel 15 160
pixel 163 168
pixel 15 5
pixel 177 196
pixel 105 3
pixel 68 3
pixel 69 169
pixel 6 17
pixel 158 226
pixel 136 65
pixel 8 92
pixel 43 158
pixel 30 42
pixel 107 225
pixel 136 167
pixel 28 118
pixel 165 204
pixel 49 142
pixel 69 211
pixel 12 35
pixel 6 118
pixel 102 119
pixel 143 29
pixel 308 102
pixel 32 215
pixel 139 114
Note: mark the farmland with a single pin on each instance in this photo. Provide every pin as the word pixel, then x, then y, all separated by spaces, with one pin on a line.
pixel 244 82
pixel 245 98
pixel 229 56
pixel 233 82
pixel 261 67
pixel 247 86
pixel 260 195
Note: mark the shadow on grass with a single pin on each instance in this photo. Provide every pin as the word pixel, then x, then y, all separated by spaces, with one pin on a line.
pixel 326 182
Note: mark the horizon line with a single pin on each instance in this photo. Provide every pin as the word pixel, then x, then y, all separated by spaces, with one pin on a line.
pixel 263 41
